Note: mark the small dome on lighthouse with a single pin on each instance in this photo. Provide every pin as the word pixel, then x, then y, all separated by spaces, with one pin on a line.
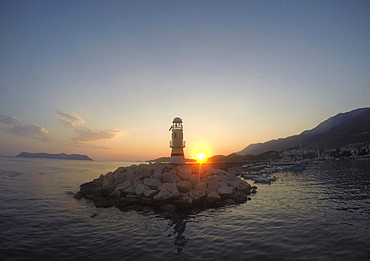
pixel 177 120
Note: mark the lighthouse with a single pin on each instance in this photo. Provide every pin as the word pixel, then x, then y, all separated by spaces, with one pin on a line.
pixel 177 144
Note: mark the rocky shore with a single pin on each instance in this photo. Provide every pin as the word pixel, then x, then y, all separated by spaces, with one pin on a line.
pixel 167 187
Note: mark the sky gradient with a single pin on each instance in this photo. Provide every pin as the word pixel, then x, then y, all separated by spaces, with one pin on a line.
pixel 106 78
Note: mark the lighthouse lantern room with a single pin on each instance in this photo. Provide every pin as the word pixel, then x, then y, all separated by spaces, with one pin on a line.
pixel 177 144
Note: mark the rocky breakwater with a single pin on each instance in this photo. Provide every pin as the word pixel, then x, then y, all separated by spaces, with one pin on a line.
pixel 167 187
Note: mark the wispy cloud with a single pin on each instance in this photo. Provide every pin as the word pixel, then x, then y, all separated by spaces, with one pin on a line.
pixel 9 120
pixel 31 131
pixel 89 135
pixel 14 126
pixel 87 146
pixel 71 120
pixel 84 132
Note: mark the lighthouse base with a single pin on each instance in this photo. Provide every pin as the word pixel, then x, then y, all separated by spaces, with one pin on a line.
pixel 177 156
pixel 177 160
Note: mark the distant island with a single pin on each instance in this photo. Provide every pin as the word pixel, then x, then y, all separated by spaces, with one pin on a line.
pixel 54 156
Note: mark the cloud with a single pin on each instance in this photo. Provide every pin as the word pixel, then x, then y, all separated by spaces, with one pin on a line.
pixel 85 133
pixel 88 135
pixel 14 126
pixel 71 121
pixel 9 120
pixel 87 146
pixel 31 131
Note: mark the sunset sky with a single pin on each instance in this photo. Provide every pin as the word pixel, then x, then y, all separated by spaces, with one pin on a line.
pixel 106 78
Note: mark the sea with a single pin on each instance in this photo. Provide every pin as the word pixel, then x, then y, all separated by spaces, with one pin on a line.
pixel 321 213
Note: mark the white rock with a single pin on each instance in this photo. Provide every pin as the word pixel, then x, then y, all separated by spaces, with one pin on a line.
pixel 140 189
pixel 110 176
pixel 129 190
pixel 198 195
pixel 223 183
pixel 206 175
pixel 124 185
pixel 184 173
pixel 108 184
pixel 201 186
pixel 213 197
pixel 217 178
pixel 169 177
pixel 194 179
pixel 143 171
pixel 184 186
pixel 212 188
pixel 119 170
pixel 162 195
pixel 234 184
pixel 152 183
pixel 225 192
pixel 119 177
pixel 243 185
pixel 149 193
pixel 171 187
pixel 211 170
pixel 158 171
pixel 212 182
pixel 231 176
pixel 130 174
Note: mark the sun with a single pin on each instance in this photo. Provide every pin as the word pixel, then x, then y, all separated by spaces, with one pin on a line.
pixel 201 156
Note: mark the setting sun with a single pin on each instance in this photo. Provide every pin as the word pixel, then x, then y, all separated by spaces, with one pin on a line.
pixel 201 156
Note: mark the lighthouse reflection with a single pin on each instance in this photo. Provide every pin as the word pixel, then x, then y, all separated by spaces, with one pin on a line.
pixel 178 222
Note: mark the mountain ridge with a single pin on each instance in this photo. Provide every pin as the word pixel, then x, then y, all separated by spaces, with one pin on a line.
pixel 352 126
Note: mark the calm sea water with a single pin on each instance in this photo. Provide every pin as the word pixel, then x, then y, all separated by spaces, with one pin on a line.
pixel 322 213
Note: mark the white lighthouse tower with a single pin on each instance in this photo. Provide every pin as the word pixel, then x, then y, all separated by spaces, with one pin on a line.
pixel 177 144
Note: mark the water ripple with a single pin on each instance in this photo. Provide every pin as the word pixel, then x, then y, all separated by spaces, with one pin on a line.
pixel 321 213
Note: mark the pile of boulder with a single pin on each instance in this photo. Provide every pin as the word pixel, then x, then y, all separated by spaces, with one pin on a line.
pixel 166 186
